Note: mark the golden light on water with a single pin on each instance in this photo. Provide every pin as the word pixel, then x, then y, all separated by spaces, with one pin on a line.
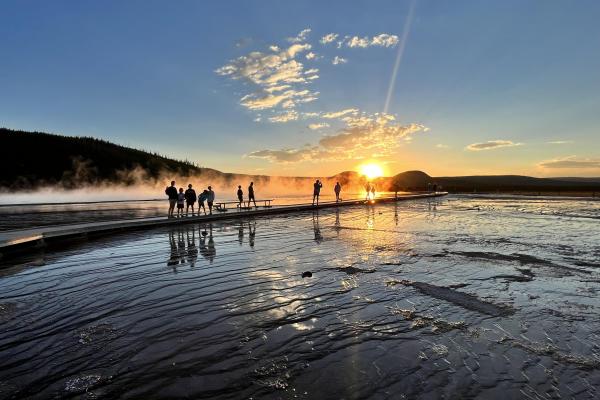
pixel 371 171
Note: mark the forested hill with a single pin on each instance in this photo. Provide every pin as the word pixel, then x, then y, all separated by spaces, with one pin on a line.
pixel 32 159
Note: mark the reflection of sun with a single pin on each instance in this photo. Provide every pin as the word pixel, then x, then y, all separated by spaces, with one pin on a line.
pixel 371 171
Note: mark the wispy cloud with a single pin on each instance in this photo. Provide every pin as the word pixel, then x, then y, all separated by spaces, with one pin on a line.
pixel 374 135
pixel 492 144
pixel 561 142
pixel 301 37
pixel 339 60
pixel 317 126
pixel 330 37
pixel 381 40
pixel 341 113
pixel 442 146
pixel 571 162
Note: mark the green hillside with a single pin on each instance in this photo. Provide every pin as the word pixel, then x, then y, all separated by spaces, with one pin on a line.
pixel 32 159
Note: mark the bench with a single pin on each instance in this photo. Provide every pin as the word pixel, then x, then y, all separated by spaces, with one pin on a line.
pixel 222 206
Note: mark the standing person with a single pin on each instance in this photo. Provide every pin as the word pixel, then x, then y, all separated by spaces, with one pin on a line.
pixel 251 194
pixel 180 202
pixel 171 191
pixel 373 192
pixel 337 190
pixel 210 199
pixel 190 199
pixel 435 188
pixel 201 199
pixel 368 190
pixel 240 195
pixel 317 191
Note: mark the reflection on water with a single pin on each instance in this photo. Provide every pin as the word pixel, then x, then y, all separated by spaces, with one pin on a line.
pixel 452 298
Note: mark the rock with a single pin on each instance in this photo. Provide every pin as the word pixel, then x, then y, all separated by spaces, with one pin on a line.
pixel 307 274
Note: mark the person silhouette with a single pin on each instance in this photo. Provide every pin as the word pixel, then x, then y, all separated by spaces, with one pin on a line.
pixel 316 191
pixel 240 196
pixel 171 191
pixel 190 199
pixel 251 194
pixel 202 197
pixel 210 199
pixel 337 189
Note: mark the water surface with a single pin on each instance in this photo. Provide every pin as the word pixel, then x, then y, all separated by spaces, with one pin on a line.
pixel 454 298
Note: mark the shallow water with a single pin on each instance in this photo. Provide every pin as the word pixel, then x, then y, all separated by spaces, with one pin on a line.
pixel 454 298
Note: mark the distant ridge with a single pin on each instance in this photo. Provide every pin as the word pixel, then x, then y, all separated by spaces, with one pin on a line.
pixel 29 160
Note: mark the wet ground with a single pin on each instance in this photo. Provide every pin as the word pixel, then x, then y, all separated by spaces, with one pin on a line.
pixel 450 298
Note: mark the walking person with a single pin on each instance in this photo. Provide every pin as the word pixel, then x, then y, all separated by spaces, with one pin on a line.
pixel 373 192
pixel 171 191
pixel 210 199
pixel 337 189
pixel 202 197
pixel 316 191
pixel 190 199
pixel 251 194
pixel 240 196
pixel 180 202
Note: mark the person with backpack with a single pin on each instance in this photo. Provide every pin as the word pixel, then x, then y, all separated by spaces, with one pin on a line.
pixel 210 199
pixel 202 197
pixel 171 191
pixel 190 199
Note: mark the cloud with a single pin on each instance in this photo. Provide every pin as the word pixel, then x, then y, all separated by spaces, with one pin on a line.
pixel 321 125
pixel 310 56
pixel 381 40
pixel 338 114
pixel 338 60
pixel 301 37
pixel 275 75
pixel 441 146
pixel 561 142
pixel 375 135
pixel 285 117
pixel 330 37
pixel 571 162
pixel 492 144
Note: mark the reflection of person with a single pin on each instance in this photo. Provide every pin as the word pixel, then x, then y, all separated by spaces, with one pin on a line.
pixel 241 233
pixel 208 251
pixel 251 233
pixel 317 230
pixel 337 225
pixel 174 255
pixel 192 251
pixel 171 191
pixel 337 189
pixel 251 194
pixel 316 191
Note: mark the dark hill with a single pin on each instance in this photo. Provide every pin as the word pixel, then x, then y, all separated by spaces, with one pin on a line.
pixel 33 159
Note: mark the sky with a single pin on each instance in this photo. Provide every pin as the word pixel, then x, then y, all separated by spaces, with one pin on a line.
pixel 314 88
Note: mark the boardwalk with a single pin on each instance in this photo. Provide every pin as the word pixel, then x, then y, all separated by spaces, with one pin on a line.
pixel 17 240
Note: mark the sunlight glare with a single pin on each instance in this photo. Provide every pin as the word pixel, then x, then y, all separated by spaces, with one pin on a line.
pixel 371 171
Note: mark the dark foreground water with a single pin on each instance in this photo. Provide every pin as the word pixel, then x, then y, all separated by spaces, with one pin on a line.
pixel 452 298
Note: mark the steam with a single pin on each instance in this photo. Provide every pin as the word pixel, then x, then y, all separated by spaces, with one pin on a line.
pixel 79 185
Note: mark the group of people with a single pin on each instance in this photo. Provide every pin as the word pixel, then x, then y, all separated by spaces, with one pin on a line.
pixel 180 199
pixel 318 185
pixel 186 200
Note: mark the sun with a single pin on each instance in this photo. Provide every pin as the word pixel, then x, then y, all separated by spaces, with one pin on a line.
pixel 371 171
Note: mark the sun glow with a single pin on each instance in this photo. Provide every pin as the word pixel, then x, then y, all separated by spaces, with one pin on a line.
pixel 371 171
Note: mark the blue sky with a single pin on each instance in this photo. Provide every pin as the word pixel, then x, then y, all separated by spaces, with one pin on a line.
pixel 483 87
